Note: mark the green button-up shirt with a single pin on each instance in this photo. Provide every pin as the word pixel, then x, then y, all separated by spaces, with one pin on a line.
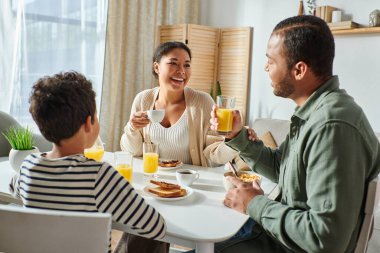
pixel 322 168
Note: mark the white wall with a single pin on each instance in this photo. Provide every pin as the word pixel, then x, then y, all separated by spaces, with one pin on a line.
pixel 357 61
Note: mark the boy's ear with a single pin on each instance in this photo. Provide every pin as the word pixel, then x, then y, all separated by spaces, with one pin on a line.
pixel 88 124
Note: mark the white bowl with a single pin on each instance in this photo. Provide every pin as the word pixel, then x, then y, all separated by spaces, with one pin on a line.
pixel 228 185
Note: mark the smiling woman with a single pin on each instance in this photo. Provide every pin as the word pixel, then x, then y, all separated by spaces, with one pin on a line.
pixel 182 134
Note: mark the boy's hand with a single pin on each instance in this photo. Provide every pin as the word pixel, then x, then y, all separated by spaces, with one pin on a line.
pixel 236 123
pixel 238 198
pixel 139 120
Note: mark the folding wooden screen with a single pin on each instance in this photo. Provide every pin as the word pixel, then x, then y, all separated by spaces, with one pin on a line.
pixel 218 54
pixel 234 65
pixel 172 33
pixel 203 42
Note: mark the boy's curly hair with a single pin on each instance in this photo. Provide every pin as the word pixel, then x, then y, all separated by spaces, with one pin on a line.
pixel 61 103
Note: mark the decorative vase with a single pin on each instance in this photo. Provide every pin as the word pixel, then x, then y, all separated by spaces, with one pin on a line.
pixel 16 157
pixel 374 18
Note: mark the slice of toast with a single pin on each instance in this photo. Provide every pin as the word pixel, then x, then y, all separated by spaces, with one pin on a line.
pixel 169 163
pixel 165 185
pixel 168 193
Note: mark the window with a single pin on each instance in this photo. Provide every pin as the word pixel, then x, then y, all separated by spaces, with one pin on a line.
pixel 44 37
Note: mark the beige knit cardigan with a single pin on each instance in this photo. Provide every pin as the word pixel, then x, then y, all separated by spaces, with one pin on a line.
pixel 202 145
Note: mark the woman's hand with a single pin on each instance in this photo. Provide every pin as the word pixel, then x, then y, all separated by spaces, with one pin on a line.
pixel 139 120
pixel 236 122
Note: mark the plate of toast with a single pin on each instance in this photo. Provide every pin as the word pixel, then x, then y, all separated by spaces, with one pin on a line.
pixel 167 191
pixel 169 164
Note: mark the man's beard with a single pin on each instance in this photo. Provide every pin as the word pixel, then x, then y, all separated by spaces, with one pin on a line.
pixel 284 88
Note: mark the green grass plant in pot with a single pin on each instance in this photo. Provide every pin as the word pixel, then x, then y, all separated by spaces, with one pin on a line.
pixel 22 143
pixel 218 90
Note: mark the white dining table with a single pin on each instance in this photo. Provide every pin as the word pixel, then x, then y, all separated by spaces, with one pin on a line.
pixel 196 222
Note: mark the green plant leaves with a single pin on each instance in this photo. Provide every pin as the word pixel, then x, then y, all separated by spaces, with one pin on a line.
pixel 218 90
pixel 19 138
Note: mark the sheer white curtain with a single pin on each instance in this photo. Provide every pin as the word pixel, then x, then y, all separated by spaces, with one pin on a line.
pixel 43 37
pixel 9 52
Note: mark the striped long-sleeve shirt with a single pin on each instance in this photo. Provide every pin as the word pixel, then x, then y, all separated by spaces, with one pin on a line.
pixel 75 183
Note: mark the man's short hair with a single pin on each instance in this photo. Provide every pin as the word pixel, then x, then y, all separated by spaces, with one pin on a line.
pixel 61 103
pixel 308 39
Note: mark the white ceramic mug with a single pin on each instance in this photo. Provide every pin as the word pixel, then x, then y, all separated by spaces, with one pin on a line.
pixel 186 177
pixel 156 115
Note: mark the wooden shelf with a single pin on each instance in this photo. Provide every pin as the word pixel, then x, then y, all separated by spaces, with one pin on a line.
pixel 362 30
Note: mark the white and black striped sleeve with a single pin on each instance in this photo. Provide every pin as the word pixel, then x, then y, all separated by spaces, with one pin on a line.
pixel 113 194
pixel 14 185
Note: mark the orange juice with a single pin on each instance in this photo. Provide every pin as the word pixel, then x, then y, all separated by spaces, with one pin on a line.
pixel 150 162
pixel 95 153
pixel 126 171
pixel 225 118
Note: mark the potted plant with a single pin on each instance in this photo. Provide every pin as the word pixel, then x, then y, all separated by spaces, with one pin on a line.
pixel 218 90
pixel 22 143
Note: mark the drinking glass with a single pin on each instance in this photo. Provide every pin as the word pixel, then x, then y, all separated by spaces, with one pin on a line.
pixel 124 165
pixel 96 152
pixel 224 114
pixel 150 158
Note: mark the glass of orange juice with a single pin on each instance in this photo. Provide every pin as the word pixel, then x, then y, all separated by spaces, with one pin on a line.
pixel 150 158
pixel 96 152
pixel 124 165
pixel 224 113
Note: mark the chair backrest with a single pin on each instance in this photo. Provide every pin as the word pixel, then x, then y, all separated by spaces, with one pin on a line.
pixel 277 127
pixel 34 230
pixel 367 226
pixel 6 121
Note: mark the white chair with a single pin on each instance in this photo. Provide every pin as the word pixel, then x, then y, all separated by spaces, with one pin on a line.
pixel 37 231
pixel 370 206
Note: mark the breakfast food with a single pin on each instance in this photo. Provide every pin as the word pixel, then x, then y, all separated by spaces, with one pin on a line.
pixel 167 193
pixel 249 177
pixel 167 190
pixel 243 176
pixel 168 163
pixel 165 185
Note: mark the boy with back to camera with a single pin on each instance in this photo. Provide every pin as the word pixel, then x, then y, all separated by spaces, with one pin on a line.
pixel 63 106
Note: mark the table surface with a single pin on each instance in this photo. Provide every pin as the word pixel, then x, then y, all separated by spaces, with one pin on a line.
pixel 200 218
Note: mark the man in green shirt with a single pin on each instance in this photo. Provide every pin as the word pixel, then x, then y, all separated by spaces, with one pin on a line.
pixel 326 162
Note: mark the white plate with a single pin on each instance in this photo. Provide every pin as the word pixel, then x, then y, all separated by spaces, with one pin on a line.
pixel 189 191
pixel 171 168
